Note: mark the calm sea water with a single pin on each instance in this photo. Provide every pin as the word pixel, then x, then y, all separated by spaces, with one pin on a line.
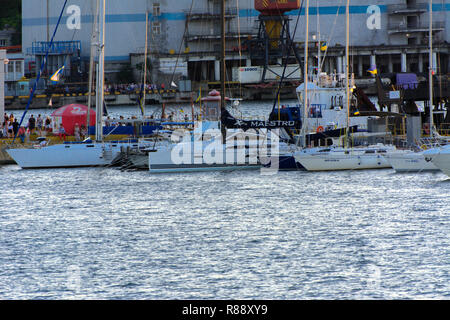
pixel 102 233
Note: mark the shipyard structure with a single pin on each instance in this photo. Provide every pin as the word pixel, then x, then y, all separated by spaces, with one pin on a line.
pixel 264 42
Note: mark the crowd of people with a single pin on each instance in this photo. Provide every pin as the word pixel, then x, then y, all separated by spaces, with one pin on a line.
pixel 131 88
pixel 10 126
pixel 42 125
pixel 122 88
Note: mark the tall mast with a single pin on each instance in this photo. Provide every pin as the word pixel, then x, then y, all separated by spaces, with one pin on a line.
pixel 223 70
pixel 100 78
pixel 94 47
pixel 305 79
pixel 430 63
pixel 48 23
pixel 318 42
pixel 145 63
pixel 347 78
pixel 222 56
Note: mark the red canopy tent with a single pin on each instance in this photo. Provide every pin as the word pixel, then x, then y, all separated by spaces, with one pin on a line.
pixel 70 115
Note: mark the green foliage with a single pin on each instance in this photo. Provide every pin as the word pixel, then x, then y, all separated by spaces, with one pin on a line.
pixel 11 16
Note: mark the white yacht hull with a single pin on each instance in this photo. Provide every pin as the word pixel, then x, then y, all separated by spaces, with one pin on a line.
pixel 333 160
pixel 409 161
pixel 440 158
pixel 67 155
pixel 163 161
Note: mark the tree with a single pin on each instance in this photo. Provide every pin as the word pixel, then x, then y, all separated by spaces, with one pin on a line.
pixel 11 17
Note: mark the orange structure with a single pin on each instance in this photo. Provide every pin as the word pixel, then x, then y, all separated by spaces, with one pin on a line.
pixel 276 7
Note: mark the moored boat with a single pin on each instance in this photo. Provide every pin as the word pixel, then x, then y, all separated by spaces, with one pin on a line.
pixel 338 158
pixel 409 161
pixel 440 157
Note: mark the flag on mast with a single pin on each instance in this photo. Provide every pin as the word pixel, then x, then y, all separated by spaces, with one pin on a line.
pixel 373 69
pixel 57 75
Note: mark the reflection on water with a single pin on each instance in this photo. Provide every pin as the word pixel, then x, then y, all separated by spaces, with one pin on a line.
pixel 106 234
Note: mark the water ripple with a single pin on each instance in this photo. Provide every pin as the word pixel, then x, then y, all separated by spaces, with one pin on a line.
pixel 106 234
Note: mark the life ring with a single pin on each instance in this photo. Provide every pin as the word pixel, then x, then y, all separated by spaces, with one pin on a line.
pixel 319 129
pixel 426 128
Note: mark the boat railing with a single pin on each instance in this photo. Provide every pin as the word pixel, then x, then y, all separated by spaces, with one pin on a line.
pixel 444 129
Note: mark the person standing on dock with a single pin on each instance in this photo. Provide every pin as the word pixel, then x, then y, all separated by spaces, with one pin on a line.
pixel 62 133
pixel 48 124
pixel 21 134
pixel 15 126
pixel 77 132
pixel 40 124
pixel 31 124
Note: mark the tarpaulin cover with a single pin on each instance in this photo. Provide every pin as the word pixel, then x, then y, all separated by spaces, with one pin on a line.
pixel 71 115
pixel 407 80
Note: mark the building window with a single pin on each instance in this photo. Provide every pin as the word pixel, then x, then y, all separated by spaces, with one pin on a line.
pixel 156 10
pixel 18 66
pixel 2 42
pixel 156 28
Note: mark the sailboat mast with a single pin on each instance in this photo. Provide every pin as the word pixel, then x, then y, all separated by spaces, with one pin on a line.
pixel 305 79
pixel 145 63
pixel 94 44
pixel 347 77
pixel 223 70
pixel 430 63
pixel 100 79
pixel 318 42
pixel 222 56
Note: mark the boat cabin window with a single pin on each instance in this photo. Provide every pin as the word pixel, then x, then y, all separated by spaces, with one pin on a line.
pixel 315 111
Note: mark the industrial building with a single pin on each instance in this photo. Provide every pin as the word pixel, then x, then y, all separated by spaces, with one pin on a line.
pixel 184 37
